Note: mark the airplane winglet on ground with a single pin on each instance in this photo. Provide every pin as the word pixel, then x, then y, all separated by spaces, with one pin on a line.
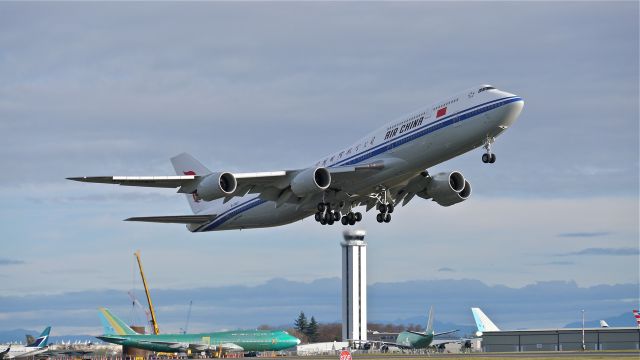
pixel 483 323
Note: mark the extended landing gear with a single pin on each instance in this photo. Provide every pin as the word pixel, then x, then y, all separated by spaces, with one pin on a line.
pixel 488 157
pixel 351 218
pixel 326 216
pixel 384 214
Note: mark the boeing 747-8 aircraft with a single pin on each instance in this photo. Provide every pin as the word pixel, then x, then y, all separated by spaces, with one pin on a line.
pixel 381 170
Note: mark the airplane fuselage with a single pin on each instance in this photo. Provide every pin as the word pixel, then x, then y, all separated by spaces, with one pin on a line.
pixel 405 147
pixel 248 340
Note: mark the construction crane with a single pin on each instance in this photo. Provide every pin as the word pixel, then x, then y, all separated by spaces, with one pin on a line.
pixel 154 323
pixel 186 325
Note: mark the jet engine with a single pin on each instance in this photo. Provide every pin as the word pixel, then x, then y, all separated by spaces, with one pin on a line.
pixel 311 181
pixel 447 188
pixel 217 185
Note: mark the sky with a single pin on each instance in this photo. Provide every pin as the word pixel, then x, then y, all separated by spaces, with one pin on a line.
pixel 118 89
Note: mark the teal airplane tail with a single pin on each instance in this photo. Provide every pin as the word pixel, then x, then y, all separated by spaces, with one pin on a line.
pixel 42 340
pixel 113 325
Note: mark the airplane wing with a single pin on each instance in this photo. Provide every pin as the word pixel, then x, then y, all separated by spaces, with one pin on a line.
pixel 272 185
pixel 228 347
pixel 177 219
pixel 145 181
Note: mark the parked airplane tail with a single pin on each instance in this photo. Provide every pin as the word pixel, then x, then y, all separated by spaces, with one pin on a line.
pixel 636 314
pixel 185 164
pixel 113 325
pixel 429 329
pixel 603 324
pixel 483 323
pixel 42 340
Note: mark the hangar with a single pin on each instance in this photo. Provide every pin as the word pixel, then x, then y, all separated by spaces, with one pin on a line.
pixel 620 338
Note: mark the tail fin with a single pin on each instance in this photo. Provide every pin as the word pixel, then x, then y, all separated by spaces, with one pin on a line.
pixel 429 329
pixel 483 323
pixel 603 324
pixel 637 316
pixel 185 164
pixel 30 339
pixel 42 340
pixel 113 325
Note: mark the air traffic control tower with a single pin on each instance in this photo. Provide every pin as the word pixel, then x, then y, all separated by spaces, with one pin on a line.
pixel 354 285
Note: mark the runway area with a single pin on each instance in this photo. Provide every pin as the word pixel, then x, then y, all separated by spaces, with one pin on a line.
pixel 609 355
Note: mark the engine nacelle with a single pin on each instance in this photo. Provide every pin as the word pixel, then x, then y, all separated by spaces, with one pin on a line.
pixel 448 188
pixel 311 181
pixel 217 185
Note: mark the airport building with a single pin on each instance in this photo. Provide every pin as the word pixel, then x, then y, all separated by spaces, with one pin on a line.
pixel 354 286
pixel 607 338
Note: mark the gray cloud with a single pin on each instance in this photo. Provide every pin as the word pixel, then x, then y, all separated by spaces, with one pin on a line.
pixel 5 261
pixel 604 252
pixel 585 234
pixel 446 269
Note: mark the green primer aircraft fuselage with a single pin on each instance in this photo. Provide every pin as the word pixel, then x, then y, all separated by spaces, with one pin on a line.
pixel 247 340
pixel 413 340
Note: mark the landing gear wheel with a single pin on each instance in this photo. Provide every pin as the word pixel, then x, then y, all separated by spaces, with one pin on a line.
pixel 358 216
pixel 344 220
pixel 318 216
pixel 380 217
pixel 485 158
pixel 321 207
pixel 382 208
pixel 336 216
pixel 390 208
pixel 352 222
pixel 492 159
pixel 351 217
pixel 387 218
pixel 323 221
pixel 330 221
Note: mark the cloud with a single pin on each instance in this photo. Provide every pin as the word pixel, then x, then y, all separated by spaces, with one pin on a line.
pixel 446 269
pixel 585 234
pixel 561 263
pixel 605 252
pixel 4 261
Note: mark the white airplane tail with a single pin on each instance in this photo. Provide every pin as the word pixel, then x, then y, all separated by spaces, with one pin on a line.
pixel 185 164
pixel 483 323
pixel 603 324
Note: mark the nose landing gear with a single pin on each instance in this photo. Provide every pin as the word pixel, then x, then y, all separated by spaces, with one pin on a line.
pixel 488 157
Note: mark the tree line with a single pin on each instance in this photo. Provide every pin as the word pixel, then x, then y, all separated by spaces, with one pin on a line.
pixel 311 331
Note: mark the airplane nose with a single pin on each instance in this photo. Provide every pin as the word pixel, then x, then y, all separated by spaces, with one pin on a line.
pixel 511 112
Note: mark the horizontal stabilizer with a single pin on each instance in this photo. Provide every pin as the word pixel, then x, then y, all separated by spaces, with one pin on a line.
pixel 178 219
pixel 446 332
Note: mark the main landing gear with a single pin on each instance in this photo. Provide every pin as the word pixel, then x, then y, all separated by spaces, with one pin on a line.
pixel 326 216
pixel 488 157
pixel 385 211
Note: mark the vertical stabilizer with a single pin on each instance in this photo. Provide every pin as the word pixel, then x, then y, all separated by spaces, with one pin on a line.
pixel 185 164
pixel 113 325
pixel 429 329
pixel 483 323
pixel 636 314
pixel 42 340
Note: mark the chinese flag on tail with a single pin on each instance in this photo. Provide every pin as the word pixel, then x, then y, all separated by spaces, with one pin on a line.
pixel 441 112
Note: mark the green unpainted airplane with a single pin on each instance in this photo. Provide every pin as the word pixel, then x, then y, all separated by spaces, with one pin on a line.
pixel 117 332
pixel 418 340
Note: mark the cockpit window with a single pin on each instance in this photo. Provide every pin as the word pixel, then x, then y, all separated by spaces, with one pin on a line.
pixel 485 88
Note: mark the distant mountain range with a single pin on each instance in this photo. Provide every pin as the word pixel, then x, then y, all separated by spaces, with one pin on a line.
pixel 279 301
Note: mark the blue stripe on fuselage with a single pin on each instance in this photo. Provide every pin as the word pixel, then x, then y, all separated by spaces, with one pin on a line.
pixel 377 150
